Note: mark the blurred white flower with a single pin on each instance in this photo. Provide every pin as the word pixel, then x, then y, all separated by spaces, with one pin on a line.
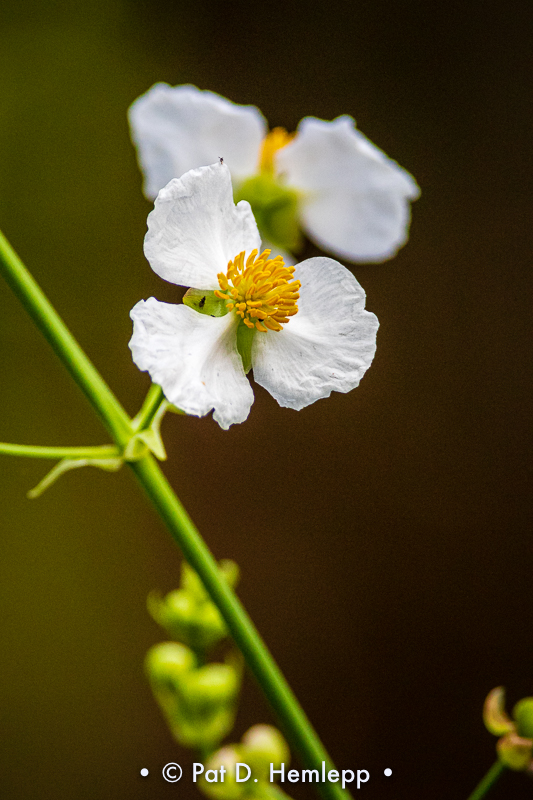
pixel 327 178
pixel 299 352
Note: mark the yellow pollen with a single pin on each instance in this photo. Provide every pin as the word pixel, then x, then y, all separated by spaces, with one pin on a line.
pixel 251 293
pixel 273 141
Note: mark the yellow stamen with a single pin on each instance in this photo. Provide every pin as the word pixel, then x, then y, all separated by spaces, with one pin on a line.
pixel 261 302
pixel 270 323
pixel 273 141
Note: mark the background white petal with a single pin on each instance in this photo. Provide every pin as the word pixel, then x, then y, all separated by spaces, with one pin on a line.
pixel 356 199
pixel 327 346
pixel 193 358
pixel 178 128
pixel 196 228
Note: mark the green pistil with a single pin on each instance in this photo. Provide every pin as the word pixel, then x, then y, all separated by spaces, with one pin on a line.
pixel 245 337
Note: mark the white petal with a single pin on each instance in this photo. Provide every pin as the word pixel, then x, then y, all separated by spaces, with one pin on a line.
pixel 327 346
pixel 196 228
pixel 193 358
pixel 355 199
pixel 178 128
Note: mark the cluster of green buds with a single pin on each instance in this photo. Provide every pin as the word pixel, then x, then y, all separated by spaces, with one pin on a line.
pixel 246 766
pixel 515 745
pixel 188 614
pixel 198 700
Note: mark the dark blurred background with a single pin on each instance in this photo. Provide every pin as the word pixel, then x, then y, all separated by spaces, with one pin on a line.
pixel 384 535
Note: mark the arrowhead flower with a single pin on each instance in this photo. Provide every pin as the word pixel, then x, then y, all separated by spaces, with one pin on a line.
pixel 303 329
pixel 327 179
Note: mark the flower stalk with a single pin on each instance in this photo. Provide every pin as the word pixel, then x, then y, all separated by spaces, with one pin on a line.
pixel 293 720
pixel 488 781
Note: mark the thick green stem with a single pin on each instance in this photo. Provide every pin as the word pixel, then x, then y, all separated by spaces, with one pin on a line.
pixel 488 781
pixel 292 718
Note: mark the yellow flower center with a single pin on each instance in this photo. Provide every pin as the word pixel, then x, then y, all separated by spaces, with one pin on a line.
pixel 260 291
pixel 273 141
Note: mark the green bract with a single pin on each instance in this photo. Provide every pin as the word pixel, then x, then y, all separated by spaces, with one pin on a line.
pixel 514 751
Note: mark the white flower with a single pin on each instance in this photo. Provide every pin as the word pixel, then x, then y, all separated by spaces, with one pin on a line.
pixel 347 195
pixel 301 352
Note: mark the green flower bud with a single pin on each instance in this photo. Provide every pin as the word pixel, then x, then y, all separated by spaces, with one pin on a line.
pixel 210 624
pixel 230 571
pixel 199 704
pixel 212 684
pixel 165 665
pixel 192 583
pixel 228 789
pixel 198 625
pixel 172 611
pixel 514 751
pixel 264 745
pixel 523 715
pixel 188 614
pixel 166 662
pixel 207 705
pixel 275 208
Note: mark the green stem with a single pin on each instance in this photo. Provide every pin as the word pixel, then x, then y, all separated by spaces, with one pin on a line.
pixel 488 781
pixel 33 451
pixel 292 717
